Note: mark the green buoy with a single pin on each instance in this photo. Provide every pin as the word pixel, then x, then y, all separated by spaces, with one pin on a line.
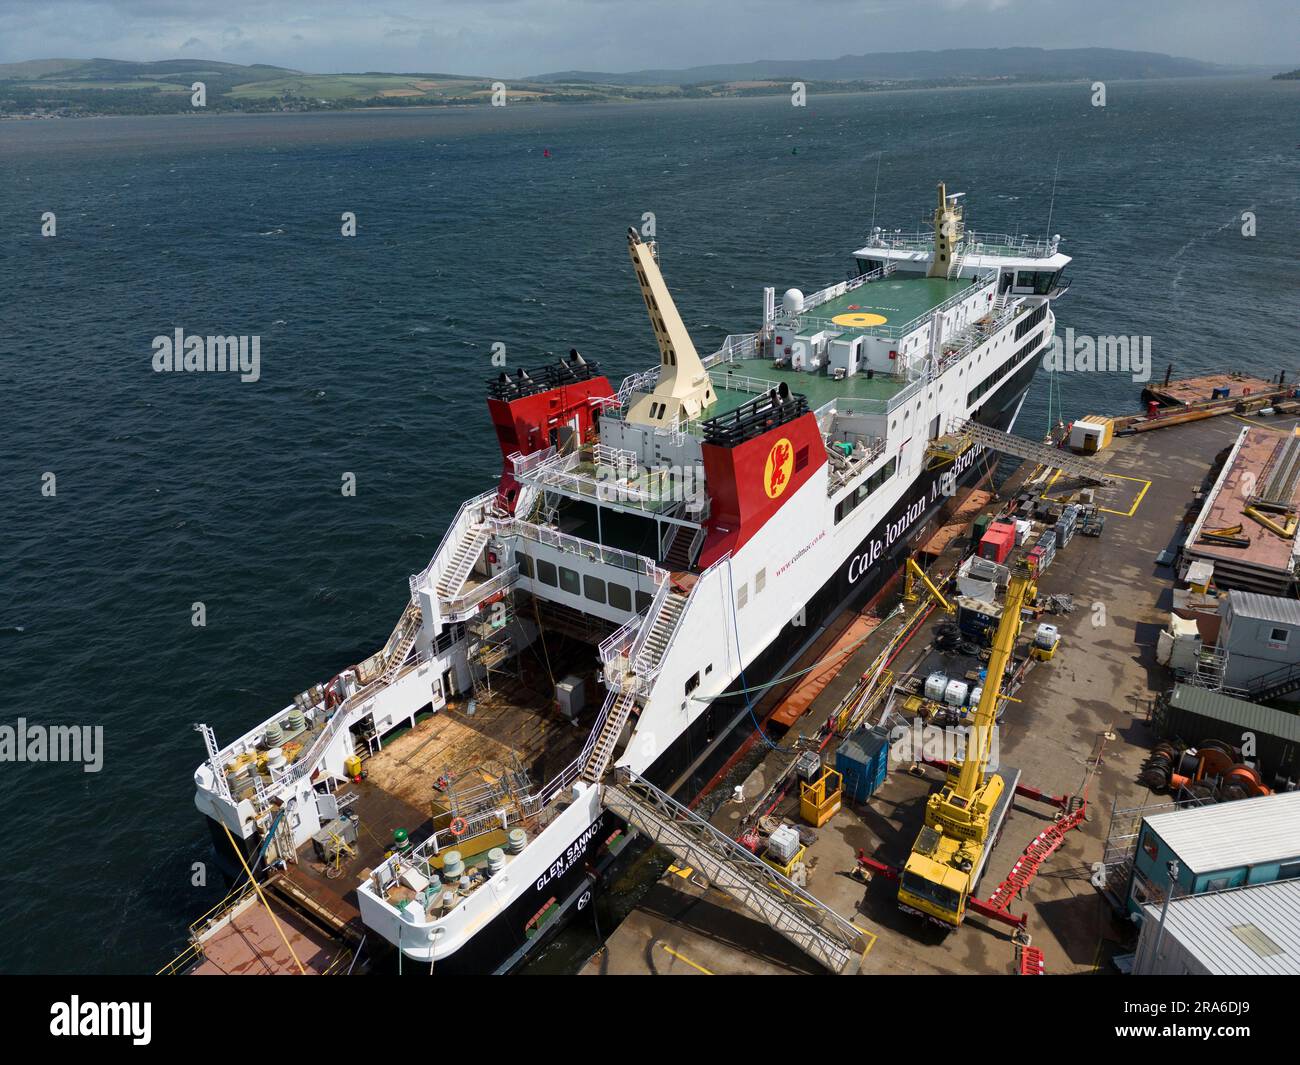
pixel 401 841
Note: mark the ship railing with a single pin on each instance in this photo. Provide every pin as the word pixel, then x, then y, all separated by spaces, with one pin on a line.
pixel 639 667
pixel 738 382
pixel 649 675
pixel 834 291
pixel 463 605
pixel 618 644
pixel 471 511
pixel 476 824
pixel 574 545
pixel 854 464
pixel 264 788
pixel 562 474
pixel 525 464
pixel 193 952
pixel 968 339
pixel 736 346
pixel 641 381
pixel 977 243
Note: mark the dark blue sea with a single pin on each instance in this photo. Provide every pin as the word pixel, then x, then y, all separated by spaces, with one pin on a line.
pixel 176 489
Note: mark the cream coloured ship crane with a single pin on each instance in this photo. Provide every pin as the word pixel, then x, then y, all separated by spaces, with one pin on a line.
pixel 684 390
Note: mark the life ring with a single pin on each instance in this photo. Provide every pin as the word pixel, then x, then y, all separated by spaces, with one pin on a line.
pixel 458 826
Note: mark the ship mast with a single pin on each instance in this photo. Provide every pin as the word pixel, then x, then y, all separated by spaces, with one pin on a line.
pixel 949 231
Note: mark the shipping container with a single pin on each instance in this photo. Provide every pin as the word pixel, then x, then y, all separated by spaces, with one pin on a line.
pixel 863 761
pixel 1192 715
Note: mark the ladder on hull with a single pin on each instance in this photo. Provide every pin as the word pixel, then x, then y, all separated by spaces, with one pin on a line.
pixel 765 894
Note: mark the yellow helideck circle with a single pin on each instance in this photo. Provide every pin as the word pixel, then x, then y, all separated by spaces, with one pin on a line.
pixel 860 319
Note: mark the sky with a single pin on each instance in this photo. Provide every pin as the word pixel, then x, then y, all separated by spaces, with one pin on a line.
pixel 514 38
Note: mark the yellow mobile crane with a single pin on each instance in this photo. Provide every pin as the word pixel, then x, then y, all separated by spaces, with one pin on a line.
pixel 962 818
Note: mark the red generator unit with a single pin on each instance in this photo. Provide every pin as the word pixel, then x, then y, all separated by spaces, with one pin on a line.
pixel 997 542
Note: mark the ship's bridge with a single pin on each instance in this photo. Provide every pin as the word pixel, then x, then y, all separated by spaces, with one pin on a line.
pixel 1026 266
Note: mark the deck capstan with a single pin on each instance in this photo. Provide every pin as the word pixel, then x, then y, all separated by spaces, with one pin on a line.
pixel 683 391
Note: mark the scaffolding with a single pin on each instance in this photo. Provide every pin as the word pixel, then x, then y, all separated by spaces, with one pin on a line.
pixel 492 654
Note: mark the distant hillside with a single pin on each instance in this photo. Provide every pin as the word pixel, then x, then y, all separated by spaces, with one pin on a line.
pixel 58 88
pixel 1021 63
pixel 1290 75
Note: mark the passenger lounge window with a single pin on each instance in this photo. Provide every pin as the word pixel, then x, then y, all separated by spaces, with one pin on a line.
pixel 546 572
pixel 594 589
pixel 620 598
pixel 569 581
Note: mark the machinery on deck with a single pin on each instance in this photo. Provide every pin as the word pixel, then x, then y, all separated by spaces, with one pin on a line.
pixel 962 819
pixel 911 575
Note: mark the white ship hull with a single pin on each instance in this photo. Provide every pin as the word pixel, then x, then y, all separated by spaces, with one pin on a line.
pixel 832 535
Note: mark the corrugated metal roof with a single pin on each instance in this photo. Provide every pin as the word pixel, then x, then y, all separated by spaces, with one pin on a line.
pixel 1229 835
pixel 1239 712
pixel 1264 607
pixel 1249 931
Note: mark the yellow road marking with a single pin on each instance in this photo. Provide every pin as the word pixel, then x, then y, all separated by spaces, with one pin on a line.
pixel 685 959
pixel 1261 425
pixel 1105 510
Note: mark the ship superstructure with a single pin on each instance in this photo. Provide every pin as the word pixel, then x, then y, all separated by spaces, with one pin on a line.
pixel 648 551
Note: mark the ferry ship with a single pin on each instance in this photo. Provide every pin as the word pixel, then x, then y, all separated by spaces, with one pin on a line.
pixel 650 555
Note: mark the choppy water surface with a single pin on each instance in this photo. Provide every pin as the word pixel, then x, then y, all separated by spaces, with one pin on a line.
pixel 174 489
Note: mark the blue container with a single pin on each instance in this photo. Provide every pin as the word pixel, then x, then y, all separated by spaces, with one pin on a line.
pixel 863 761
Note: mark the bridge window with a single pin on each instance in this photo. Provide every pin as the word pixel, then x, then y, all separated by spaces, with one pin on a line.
pixel 525 564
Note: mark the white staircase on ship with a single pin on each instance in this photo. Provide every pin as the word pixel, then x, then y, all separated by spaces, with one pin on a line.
pixel 662 627
pixel 619 707
pixel 462 560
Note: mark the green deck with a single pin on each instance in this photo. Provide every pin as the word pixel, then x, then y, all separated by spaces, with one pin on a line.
pixel 820 388
pixel 898 299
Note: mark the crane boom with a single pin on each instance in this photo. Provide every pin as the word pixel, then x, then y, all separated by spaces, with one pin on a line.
pixel 1019 589
pixel 962 817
